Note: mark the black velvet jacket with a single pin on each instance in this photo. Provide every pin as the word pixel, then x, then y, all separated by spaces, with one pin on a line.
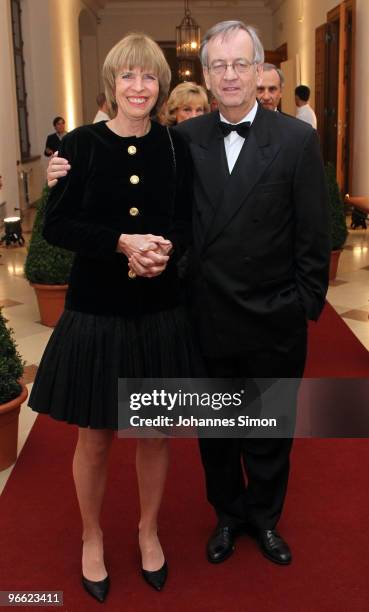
pixel 120 185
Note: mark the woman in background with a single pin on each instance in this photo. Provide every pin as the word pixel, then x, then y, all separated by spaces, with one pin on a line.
pixel 186 101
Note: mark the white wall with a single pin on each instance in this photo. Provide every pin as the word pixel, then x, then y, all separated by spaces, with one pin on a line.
pixel 9 147
pixel 295 22
pixel 290 81
pixel 89 64
pixel 39 75
pixel 53 78
pixel 64 16
pixel 53 83
pixel 160 21
pixel 42 103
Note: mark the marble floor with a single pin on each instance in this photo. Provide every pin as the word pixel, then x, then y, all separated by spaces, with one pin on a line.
pixel 349 294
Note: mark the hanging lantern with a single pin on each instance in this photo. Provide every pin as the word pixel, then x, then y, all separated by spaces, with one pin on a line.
pixel 188 36
pixel 186 70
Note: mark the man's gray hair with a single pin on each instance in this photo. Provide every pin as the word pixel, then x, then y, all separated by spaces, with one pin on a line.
pixel 268 67
pixel 227 27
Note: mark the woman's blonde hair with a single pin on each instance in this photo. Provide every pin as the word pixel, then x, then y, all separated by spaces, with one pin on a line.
pixel 180 96
pixel 135 50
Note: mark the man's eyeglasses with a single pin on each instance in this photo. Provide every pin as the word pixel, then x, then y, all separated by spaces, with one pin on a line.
pixel 238 66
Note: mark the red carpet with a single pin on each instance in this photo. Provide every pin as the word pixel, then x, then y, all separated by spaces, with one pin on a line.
pixel 334 351
pixel 325 520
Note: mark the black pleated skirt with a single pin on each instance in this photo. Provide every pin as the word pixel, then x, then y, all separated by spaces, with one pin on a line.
pixel 77 380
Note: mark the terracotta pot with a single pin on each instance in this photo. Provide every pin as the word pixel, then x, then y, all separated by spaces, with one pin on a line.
pixel 51 299
pixel 9 416
pixel 333 266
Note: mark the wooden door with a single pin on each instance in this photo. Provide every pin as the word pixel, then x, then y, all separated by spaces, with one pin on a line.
pixel 321 35
pixel 331 99
pixel 345 104
pixel 334 68
pixel 277 56
pixel 326 87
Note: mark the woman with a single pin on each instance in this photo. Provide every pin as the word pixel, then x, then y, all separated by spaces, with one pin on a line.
pixel 186 101
pixel 124 206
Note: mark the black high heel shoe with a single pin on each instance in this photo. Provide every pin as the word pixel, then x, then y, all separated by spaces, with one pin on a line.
pixel 156 579
pixel 97 589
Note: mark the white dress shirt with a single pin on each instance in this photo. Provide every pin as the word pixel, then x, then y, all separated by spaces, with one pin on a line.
pixel 306 113
pixel 101 116
pixel 234 142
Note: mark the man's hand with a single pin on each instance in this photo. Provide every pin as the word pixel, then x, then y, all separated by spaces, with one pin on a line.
pixel 151 262
pixel 58 167
pixel 130 244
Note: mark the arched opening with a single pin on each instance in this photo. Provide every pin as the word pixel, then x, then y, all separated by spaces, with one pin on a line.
pixel 89 64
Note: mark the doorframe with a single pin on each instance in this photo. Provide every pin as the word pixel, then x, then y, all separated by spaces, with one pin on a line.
pixel 340 12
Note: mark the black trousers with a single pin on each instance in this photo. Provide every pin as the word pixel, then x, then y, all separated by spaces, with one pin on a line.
pixel 265 461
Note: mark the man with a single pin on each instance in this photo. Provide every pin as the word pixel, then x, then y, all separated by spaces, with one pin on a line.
pixel 269 91
pixel 102 113
pixel 53 140
pixel 260 261
pixel 304 112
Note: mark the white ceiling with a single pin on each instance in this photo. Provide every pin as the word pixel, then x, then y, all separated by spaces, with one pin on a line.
pixel 252 6
pixel 203 3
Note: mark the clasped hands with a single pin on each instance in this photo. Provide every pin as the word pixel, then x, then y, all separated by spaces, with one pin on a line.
pixel 147 254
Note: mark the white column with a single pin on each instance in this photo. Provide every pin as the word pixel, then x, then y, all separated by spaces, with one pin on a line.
pixel 361 87
pixel 64 34
pixel 9 144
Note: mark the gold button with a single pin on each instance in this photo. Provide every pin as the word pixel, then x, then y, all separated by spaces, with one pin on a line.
pixel 134 179
pixel 132 274
pixel 133 211
pixel 132 150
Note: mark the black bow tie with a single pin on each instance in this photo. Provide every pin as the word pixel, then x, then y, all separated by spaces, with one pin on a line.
pixel 241 128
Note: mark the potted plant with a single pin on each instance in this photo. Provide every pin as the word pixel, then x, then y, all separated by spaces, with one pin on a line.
pixel 337 220
pixel 47 268
pixel 12 394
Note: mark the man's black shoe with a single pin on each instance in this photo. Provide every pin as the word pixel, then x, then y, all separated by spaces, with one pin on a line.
pixel 221 544
pixel 273 546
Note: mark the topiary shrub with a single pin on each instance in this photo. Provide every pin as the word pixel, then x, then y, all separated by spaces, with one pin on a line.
pixel 337 210
pixel 46 264
pixel 11 364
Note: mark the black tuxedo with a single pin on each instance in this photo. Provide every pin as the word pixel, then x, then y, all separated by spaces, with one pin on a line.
pixel 259 267
pixel 261 247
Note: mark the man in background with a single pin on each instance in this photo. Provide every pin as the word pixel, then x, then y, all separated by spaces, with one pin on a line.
pixel 102 113
pixel 304 112
pixel 53 140
pixel 270 88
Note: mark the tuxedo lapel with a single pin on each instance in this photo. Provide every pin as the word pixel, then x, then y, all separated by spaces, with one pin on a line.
pixel 256 154
pixel 210 164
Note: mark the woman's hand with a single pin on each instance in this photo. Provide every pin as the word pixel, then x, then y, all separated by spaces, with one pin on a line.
pixel 151 262
pixel 58 167
pixel 148 265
